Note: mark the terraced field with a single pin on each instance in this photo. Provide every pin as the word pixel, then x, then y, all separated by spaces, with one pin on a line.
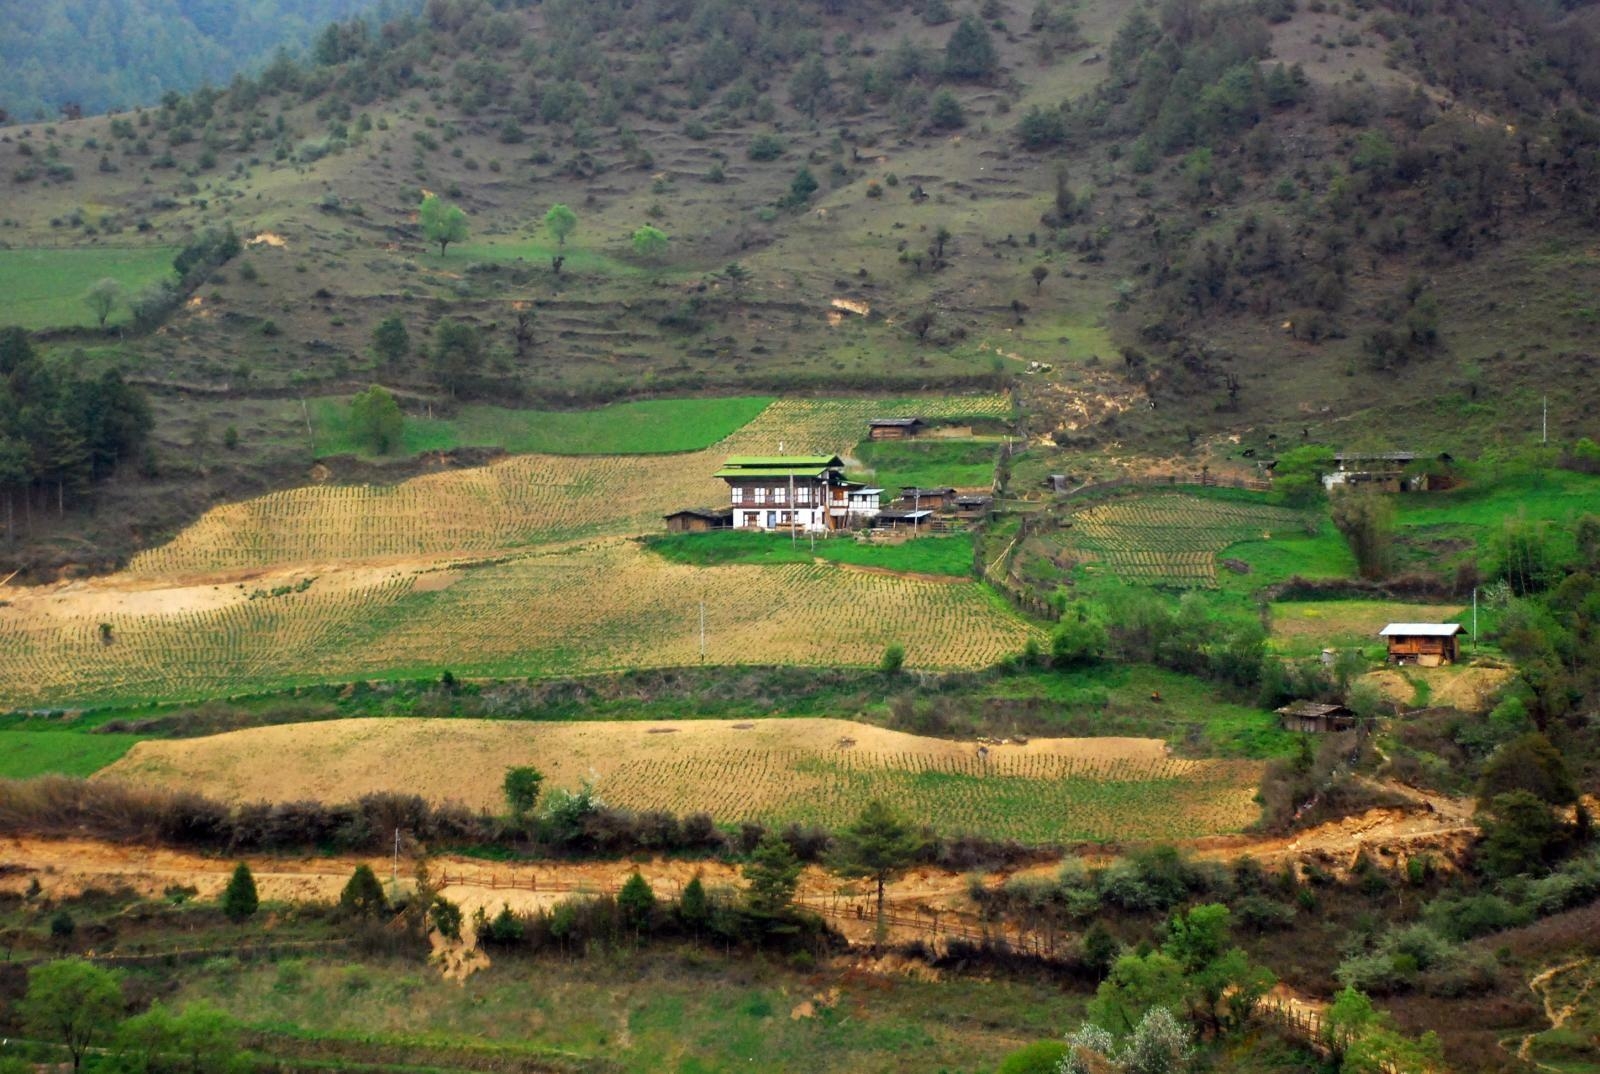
pixel 523 501
pixel 1172 538
pixel 808 770
pixel 602 607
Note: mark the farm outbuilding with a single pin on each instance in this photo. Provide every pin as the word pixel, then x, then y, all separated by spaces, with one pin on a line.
pixel 903 520
pixel 1387 471
pixel 1427 645
pixel 895 428
pixel 699 519
pixel 934 498
pixel 1316 717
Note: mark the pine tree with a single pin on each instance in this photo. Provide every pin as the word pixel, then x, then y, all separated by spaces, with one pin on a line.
pixel 773 874
pixel 970 53
pixel 239 901
pixel 637 902
pixel 878 846
pixel 363 895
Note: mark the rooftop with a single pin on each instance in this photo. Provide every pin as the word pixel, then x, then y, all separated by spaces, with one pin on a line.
pixel 1420 630
pixel 894 422
pixel 778 465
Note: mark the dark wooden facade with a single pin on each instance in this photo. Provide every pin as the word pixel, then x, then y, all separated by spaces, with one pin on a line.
pixel 699 519
pixel 1314 717
pixel 895 428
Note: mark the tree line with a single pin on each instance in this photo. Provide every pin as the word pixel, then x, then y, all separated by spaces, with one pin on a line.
pixel 60 430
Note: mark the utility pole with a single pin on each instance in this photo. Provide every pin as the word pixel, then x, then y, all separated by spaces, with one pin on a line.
pixel 1544 423
pixel 703 629
pixel 394 877
pixel 1474 618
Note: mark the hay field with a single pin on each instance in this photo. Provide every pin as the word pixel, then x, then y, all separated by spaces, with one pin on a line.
pixel 808 770
pixel 522 501
pixel 602 607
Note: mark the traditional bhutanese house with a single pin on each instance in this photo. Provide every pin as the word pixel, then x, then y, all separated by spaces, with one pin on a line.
pixel 699 519
pixel 903 520
pixel 1316 717
pixel 1424 644
pixel 895 428
pixel 917 498
pixel 806 492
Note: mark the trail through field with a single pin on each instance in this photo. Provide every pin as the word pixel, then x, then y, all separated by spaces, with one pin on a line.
pixel 1579 979
pixel 776 771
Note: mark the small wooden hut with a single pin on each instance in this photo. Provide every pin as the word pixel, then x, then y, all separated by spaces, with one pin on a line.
pixel 895 428
pixel 699 519
pixel 1425 644
pixel 1315 717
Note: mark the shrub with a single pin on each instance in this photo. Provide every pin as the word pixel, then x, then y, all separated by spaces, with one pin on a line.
pixel 764 147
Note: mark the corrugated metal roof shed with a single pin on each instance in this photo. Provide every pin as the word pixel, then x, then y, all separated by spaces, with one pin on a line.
pixel 1420 630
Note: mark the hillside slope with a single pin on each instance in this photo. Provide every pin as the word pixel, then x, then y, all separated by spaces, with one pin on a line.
pixel 1224 229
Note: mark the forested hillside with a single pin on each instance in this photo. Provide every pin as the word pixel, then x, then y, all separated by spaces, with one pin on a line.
pixel 103 55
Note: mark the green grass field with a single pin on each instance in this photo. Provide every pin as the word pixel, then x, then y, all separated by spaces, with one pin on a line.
pixel 652 426
pixel 653 1010
pixel 950 555
pixel 893 464
pixel 25 754
pixel 44 288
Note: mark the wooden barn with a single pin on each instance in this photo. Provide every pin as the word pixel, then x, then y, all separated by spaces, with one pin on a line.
pixel 1316 717
pixel 895 428
pixel 1427 645
pixel 699 519
pixel 934 499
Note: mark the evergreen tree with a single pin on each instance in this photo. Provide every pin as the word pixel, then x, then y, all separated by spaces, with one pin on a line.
pixel 521 787
pixel 970 54
pixel 391 341
pixel 878 846
pixel 772 874
pixel 457 354
pixel 239 900
pixel 363 895
pixel 694 906
pixel 637 902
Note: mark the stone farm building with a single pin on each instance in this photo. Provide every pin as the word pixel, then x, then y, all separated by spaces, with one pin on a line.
pixel 1425 644
pixel 804 492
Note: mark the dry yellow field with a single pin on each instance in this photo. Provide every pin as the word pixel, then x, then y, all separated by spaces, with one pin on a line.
pixel 522 501
pixel 601 607
pixel 808 770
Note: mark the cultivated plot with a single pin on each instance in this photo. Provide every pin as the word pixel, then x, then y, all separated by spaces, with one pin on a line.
pixel 1172 538
pixel 808 770
pixel 523 501
pixel 602 607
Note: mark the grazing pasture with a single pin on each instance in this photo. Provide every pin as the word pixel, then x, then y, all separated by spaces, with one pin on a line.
pixel 44 287
pixel 814 771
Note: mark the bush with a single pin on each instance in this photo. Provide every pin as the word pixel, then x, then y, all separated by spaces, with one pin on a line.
pixel 1042 1057
pixel 764 147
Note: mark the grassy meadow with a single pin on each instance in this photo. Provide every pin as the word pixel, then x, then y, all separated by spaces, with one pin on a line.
pixel 647 427
pixel 690 1011
pixel 44 287
pixel 926 463
pixel 28 753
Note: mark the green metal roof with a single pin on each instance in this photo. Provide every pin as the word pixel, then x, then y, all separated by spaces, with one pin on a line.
pixel 782 460
pixel 778 465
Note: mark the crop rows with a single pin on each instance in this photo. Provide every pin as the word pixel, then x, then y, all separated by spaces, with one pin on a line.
pixel 519 502
pixel 1029 797
pixel 1172 538
pixel 598 608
